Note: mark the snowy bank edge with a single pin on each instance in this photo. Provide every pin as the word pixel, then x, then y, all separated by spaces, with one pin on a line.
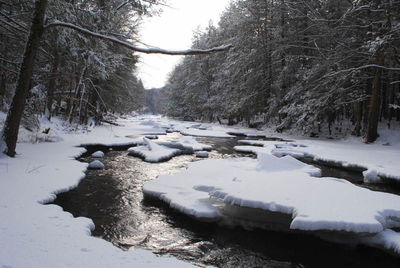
pixel 113 254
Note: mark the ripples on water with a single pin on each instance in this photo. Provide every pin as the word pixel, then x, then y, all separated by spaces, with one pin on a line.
pixel 113 199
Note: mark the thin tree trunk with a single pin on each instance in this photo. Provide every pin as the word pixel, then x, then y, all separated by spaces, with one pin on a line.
pixel 52 84
pixel 3 83
pixel 375 102
pixel 77 94
pixel 11 126
pixel 359 117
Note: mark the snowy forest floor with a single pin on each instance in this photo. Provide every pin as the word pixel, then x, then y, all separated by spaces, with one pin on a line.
pixel 36 235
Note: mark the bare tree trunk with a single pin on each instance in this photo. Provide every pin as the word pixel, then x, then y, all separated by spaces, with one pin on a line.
pixel 375 101
pixel 3 83
pixel 11 126
pixel 77 94
pixel 52 84
pixel 359 117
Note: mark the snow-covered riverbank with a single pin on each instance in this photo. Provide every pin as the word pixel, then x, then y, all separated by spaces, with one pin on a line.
pixel 37 235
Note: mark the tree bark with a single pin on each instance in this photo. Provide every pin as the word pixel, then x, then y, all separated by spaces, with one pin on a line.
pixel 375 101
pixel 76 94
pixel 13 120
pixel 52 84
pixel 358 111
pixel 3 83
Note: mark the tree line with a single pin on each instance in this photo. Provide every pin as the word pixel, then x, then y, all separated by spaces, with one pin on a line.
pixel 80 74
pixel 304 65
pixel 73 75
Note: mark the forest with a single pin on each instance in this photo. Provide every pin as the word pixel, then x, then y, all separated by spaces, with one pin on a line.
pixel 74 76
pixel 273 142
pixel 308 66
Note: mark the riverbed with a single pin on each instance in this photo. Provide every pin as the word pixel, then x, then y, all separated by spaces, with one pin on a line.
pixel 113 199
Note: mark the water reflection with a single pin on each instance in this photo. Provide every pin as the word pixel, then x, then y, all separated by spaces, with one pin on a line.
pixel 113 199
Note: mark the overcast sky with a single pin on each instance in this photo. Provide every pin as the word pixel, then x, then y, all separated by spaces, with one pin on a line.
pixel 173 30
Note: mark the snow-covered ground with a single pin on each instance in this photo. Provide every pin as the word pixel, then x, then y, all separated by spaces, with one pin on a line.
pixel 378 160
pixel 37 235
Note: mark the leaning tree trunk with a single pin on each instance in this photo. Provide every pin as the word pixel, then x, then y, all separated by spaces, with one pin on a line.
pixel 375 101
pixel 11 126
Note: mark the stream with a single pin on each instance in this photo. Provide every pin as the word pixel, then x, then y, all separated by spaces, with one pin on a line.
pixel 113 199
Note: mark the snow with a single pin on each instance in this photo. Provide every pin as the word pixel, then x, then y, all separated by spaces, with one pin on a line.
pixel 205 133
pixel 152 152
pixel 202 154
pixel 254 142
pixel 244 133
pixel 135 48
pixel 96 164
pixel 36 235
pixel 284 185
pixel 98 154
pixel 249 149
pixel 387 239
pixel 378 160
pixel 191 143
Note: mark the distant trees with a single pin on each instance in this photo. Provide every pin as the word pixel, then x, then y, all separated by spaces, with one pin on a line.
pixel 308 65
pixel 79 76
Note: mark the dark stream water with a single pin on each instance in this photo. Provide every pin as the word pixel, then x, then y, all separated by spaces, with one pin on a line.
pixel 113 199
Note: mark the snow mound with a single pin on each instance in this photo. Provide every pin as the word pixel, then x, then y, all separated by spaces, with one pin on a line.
pixel 387 239
pixel 191 143
pixel 282 185
pixel 250 149
pixel 204 133
pixel 98 154
pixel 186 144
pixel 96 164
pixel 254 142
pixel 371 176
pixel 270 163
pixel 153 152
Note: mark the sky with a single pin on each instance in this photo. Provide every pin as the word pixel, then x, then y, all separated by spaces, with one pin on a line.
pixel 173 29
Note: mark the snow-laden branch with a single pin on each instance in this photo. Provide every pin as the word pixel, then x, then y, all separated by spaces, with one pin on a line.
pixel 350 70
pixel 135 48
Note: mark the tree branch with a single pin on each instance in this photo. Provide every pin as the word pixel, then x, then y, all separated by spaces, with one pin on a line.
pixel 135 48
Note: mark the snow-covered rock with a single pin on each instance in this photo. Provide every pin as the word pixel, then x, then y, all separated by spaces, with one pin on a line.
pixel 96 164
pixel 202 154
pixel 371 176
pixel 98 154
pixel 153 152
